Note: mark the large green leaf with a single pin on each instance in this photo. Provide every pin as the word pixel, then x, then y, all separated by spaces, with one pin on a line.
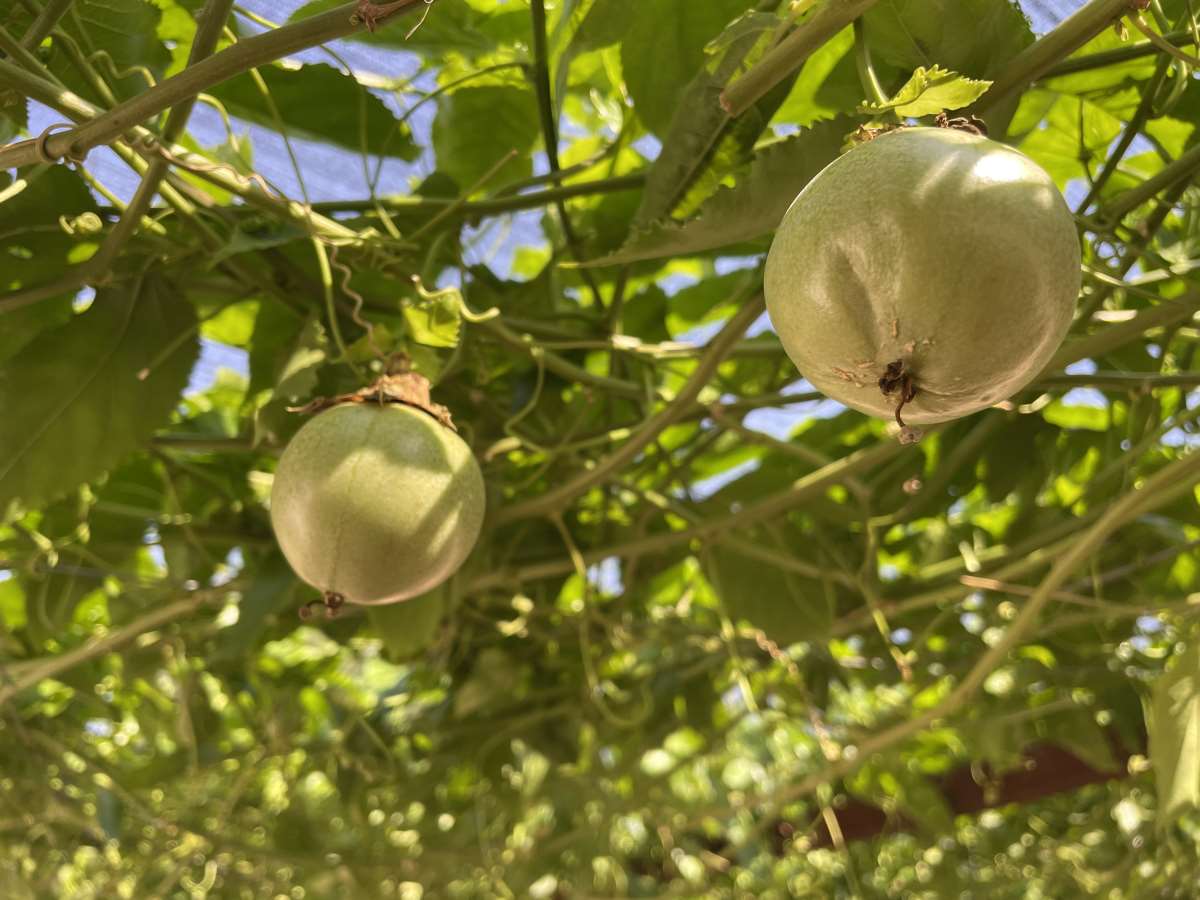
pixel 476 129
pixel 1173 723
pixel 35 248
pixel 320 103
pixel 73 402
pixel 975 37
pixel 14 114
pixel 701 137
pixel 119 37
pixel 272 591
pixel 464 26
pixel 407 628
pixel 664 49
pixel 605 23
pixel 753 207
pixel 771 600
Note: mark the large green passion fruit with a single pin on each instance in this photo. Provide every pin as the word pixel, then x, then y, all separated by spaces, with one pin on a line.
pixel 930 267
pixel 376 502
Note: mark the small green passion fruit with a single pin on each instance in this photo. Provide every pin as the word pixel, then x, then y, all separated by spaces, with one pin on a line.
pixel 930 270
pixel 375 502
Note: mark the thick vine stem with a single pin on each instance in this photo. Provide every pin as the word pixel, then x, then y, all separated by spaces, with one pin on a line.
pixel 1183 168
pixel 866 67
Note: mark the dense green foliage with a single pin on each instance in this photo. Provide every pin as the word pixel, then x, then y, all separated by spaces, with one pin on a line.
pixel 720 637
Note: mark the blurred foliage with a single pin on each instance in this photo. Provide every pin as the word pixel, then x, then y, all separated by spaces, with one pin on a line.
pixel 658 686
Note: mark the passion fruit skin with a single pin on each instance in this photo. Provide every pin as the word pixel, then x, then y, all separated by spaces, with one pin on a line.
pixel 376 502
pixel 951 253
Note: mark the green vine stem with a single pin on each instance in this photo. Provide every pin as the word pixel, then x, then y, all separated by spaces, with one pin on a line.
pixel 1162 43
pixel 1180 170
pixel 44 23
pixel 492 206
pixel 326 275
pixel 1117 55
pixel 866 67
pixel 1168 312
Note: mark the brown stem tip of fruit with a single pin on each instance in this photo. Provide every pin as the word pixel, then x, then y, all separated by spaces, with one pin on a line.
pixel 330 600
pixel 896 380
pixel 972 124
pixel 408 388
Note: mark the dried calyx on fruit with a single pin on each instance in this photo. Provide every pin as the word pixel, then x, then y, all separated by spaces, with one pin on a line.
pixel 924 275
pixel 377 499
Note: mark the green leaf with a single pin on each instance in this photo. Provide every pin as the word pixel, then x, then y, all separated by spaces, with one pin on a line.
pixel 1007 455
pixel 319 103
pixel 1074 130
pixel 664 49
pixel 972 36
pixel 35 249
pixel 771 600
pixel 477 127
pixel 13 613
pixel 298 377
pixel 931 91
pixel 275 339
pixel 233 325
pixel 407 628
pixel 701 137
pixel 74 402
pixel 464 26
pixel 435 321
pixel 712 300
pixel 250 239
pixel 1077 731
pixel 272 591
pixel 750 209
pixel 299 357
pixel 1173 723
pixel 1089 418
pixel 120 38
pixel 605 23
pixel 14 114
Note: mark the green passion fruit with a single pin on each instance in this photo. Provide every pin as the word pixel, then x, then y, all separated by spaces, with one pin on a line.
pixel 930 269
pixel 376 502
